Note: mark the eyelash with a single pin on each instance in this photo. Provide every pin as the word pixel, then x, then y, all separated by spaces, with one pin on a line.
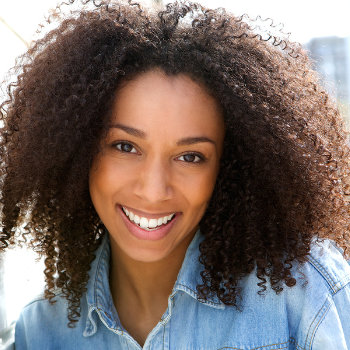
pixel 200 157
pixel 115 145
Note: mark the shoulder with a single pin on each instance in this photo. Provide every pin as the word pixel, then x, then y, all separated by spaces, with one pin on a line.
pixel 40 314
pixel 43 307
pixel 41 311
pixel 320 303
pixel 326 261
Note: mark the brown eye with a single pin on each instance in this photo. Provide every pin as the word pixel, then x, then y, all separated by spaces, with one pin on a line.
pixel 125 147
pixel 191 158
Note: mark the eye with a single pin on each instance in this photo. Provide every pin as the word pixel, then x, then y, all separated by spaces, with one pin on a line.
pixel 125 147
pixel 192 158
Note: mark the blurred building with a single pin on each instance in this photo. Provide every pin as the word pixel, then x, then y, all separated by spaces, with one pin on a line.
pixel 331 57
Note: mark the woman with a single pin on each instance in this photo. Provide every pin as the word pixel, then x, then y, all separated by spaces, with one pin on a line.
pixel 182 176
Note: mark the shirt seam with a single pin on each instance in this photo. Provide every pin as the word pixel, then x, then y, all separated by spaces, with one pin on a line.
pixel 277 344
pixel 335 285
pixel 208 302
pixel 40 298
pixel 319 317
pixel 284 346
pixel 296 344
pixel 327 305
pixel 97 277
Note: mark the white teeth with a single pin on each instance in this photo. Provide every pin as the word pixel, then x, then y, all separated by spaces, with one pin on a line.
pixel 147 223
pixel 136 219
pixel 143 223
pixel 152 223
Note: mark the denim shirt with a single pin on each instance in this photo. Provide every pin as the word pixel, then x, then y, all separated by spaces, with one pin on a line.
pixel 313 315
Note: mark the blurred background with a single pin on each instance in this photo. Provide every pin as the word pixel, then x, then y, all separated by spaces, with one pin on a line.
pixel 322 27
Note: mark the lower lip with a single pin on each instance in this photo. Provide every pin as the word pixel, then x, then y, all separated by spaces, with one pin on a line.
pixel 140 233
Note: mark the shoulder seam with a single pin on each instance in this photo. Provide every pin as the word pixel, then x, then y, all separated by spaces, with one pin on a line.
pixel 41 298
pixel 335 285
pixel 319 317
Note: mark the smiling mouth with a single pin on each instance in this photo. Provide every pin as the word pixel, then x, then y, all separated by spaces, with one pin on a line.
pixel 148 224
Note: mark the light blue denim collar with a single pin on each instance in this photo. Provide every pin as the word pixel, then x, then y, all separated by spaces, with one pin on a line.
pixel 99 298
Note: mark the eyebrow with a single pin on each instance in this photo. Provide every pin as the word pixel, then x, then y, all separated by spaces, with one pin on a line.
pixel 182 142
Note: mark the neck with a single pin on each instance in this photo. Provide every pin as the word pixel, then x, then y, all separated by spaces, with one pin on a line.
pixel 145 284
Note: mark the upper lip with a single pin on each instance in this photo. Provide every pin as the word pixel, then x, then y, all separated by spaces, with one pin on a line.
pixel 147 214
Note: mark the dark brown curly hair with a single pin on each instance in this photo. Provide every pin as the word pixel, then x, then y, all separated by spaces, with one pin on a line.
pixel 284 171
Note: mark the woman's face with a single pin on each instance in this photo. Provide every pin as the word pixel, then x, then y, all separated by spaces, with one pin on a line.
pixel 158 164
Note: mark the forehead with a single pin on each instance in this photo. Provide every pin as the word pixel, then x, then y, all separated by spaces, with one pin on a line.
pixel 177 103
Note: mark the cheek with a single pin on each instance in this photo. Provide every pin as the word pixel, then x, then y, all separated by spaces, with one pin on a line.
pixel 106 175
pixel 102 181
pixel 200 188
pixel 96 190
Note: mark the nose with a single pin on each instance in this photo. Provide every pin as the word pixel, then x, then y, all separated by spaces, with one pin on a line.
pixel 153 181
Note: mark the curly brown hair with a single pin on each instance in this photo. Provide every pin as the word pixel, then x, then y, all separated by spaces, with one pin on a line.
pixel 284 171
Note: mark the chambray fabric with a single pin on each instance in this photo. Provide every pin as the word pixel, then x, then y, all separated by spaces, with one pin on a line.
pixel 313 315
